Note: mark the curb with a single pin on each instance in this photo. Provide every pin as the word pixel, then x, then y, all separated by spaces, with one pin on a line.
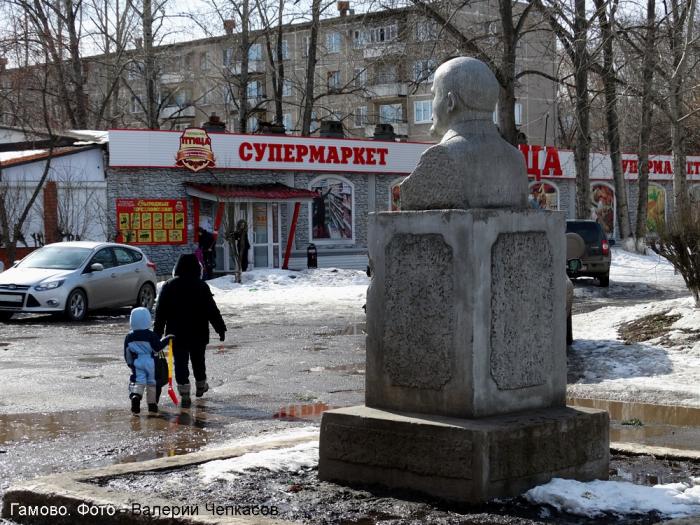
pixel 72 498
pixel 660 452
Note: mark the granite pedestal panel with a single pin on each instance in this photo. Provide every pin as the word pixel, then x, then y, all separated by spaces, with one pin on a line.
pixel 466 312
pixel 463 460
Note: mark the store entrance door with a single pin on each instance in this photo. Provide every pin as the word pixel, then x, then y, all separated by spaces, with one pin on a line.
pixel 264 232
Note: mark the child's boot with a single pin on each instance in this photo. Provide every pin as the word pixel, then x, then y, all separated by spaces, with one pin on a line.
pixel 202 387
pixel 135 403
pixel 185 399
pixel 151 398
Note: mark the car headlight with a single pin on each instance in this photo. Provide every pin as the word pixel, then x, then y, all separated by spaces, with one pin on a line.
pixel 42 287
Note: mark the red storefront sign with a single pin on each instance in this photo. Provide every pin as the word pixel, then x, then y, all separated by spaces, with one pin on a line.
pixel 152 221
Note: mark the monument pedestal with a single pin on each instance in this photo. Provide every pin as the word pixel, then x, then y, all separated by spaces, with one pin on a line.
pixel 466 361
pixel 463 460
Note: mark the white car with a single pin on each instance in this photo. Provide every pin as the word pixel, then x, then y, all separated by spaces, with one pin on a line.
pixel 75 277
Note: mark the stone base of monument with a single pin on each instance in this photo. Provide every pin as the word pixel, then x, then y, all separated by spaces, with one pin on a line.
pixel 463 460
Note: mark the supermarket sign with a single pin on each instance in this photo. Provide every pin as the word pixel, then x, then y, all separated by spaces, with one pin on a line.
pixel 196 150
pixel 152 221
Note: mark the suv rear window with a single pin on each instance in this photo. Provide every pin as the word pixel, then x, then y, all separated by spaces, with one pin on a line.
pixel 590 231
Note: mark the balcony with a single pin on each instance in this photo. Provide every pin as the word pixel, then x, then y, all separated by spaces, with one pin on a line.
pixel 372 51
pixel 173 112
pixel 387 89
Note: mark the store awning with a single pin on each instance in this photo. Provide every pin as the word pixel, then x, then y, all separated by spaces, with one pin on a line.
pixel 254 192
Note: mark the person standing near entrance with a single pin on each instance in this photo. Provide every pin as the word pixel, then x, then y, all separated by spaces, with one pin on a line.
pixel 207 243
pixel 185 308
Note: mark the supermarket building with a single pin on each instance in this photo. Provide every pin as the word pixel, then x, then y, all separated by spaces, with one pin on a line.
pixel 293 191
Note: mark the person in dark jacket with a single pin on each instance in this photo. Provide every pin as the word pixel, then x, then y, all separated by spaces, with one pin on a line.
pixel 185 308
pixel 207 243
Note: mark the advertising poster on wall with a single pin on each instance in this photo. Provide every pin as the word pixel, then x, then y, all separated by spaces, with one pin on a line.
pixel 152 221
pixel 331 210
pixel 603 207
pixel 656 207
pixel 544 196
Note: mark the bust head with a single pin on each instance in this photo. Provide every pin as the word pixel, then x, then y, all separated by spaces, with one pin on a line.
pixel 464 89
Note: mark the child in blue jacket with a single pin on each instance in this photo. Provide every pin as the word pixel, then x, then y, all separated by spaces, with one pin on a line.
pixel 140 347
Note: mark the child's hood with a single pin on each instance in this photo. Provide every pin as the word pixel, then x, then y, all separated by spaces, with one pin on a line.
pixel 140 319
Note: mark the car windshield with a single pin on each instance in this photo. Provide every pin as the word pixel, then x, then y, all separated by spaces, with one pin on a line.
pixel 56 258
pixel 590 231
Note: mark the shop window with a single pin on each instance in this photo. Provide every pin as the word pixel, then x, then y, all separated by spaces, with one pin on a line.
pixel 332 210
pixel 395 195
pixel 656 207
pixel 544 196
pixel 423 111
pixel 603 207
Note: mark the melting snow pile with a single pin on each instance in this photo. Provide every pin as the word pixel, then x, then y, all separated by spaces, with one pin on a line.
pixel 271 286
pixel 596 498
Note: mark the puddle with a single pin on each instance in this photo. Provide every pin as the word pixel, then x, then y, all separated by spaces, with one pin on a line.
pixel 351 329
pixel 98 360
pixel 656 425
pixel 302 411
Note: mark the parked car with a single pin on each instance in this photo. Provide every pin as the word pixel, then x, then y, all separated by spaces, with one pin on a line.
pixel 76 277
pixel 595 261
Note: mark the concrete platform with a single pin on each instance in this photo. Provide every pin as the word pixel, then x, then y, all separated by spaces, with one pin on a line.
pixel 463 460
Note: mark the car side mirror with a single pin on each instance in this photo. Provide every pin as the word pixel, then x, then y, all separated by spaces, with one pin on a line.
pixel 96 267
pixel 611 242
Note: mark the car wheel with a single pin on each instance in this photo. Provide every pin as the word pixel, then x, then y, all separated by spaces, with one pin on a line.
pixel 146 296
pixel 6 316
pixel 604 280
pixel 76 306
pixel 569 330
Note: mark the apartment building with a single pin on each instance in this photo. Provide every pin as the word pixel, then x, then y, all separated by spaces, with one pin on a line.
pixel 372 68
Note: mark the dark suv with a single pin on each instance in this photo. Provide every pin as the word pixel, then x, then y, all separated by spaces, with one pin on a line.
pixel 595 261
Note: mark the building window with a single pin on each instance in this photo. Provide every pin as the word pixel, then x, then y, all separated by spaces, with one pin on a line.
pixel 360 76
pixel 204 61
pixel 375 35
pixel 518 112
pixel 252 124
pixel 332 209
pixel 286 88
pixel 228 96
pixel 360 117
pixel 544 196
pixel 333 42
pixel 254 89
pixel 426 30
pixel 205 99
pixel 313 127
pixel 287 121
pixel 285 50
pixel 135 105
pixel 390 113
pixel 333 80
pixel 228 56
pixel 423 111
pixel 255 52
pixel 424 70
pixel 305 44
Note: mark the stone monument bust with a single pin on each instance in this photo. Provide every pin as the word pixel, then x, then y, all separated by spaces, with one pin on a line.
pixel 472 166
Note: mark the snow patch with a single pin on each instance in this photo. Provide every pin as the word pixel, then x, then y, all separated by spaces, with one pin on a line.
pixel 596 498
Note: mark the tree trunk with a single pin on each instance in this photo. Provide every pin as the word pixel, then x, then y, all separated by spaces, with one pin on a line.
pixel 279 116
pixel 583 141
pixel 149 68
pixel 506 95
pixel 612 132
pixel 311 68
pixel 76 63
pixel 640 229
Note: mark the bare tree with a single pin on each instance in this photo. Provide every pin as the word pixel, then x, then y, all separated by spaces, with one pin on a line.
pixel 311 67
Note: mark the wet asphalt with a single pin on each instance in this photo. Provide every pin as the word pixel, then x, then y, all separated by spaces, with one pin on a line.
pixel 64 400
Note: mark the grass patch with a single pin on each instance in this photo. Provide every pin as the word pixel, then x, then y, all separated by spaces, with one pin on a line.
pixel 647 327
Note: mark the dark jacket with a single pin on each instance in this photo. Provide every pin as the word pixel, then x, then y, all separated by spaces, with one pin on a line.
pixel 186 306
